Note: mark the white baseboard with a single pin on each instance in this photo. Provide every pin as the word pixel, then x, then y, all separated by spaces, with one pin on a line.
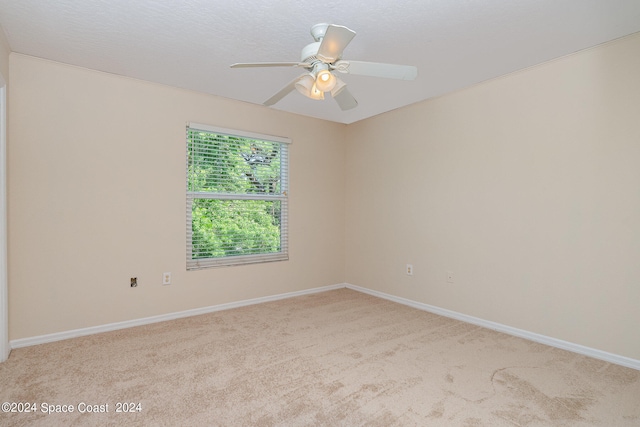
pixel 553 342
pixel 542 339
pixel 58 336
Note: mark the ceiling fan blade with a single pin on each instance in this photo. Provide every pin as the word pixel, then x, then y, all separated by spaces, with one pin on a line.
pixel 343 97
pixel 283 92
pixel 376 69
pixel 333 43
pixel 268 64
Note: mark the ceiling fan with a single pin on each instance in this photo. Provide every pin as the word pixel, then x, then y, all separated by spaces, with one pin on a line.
pixel 322 58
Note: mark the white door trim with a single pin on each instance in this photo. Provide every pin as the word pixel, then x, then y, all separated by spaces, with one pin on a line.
pixel 5 347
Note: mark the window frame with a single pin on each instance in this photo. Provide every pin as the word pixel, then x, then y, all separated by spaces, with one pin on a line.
pixel 282 197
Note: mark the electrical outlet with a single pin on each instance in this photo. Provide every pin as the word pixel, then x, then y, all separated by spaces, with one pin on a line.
pixel 166 278
pixel 449 276
pixel 409 270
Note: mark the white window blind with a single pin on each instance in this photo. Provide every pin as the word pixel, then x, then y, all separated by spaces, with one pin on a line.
pixel 237 197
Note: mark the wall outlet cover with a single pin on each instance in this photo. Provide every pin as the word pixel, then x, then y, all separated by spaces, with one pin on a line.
pixel 166 278
pixel 409 270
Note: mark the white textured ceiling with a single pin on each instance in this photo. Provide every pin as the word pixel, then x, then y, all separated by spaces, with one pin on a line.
pixel 191 43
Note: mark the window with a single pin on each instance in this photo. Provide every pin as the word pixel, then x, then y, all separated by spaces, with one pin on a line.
pixel 237 197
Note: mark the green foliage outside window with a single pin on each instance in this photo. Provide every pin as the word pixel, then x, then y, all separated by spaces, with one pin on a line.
pixel 231 179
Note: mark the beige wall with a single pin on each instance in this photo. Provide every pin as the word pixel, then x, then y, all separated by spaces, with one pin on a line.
pixel 97 195
pixel 4 55
pixel 526 187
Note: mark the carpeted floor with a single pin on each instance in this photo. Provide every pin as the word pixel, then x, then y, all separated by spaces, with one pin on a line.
pixel 337 358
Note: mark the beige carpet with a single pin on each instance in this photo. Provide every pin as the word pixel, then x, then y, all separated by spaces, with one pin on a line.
pixel 337 358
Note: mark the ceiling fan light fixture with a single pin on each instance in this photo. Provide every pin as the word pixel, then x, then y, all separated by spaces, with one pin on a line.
pixel 325 80
pixel 316 93
pixel 307 86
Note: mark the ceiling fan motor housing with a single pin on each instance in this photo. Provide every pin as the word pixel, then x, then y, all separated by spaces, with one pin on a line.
pixel 309 53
